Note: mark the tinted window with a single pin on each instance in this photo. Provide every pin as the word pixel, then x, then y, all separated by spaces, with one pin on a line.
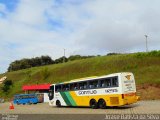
pixel 58 88
pixel 52 87
pixel 51 92
pixel 83 85
pixel 105 82
pixel 115 82
pixel 65 87
pixel 74 86
pixel 93 84
pixel 109 82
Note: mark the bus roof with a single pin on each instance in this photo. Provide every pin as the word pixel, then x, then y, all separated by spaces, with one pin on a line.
pixel 23 94
pixel 93 77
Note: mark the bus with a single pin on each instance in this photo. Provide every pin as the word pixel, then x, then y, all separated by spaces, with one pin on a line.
pixel 116 89
pixel 25 99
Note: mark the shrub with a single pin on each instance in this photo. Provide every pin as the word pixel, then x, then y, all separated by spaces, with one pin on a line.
pixel 7 85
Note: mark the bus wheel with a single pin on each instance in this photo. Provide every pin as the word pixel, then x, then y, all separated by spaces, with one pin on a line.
pixel 29 102
pixel 102 104
pixel 93 104
pixel 18 103
pixel 58 103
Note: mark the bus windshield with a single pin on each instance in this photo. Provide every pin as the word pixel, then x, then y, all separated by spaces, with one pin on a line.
pixel 51 92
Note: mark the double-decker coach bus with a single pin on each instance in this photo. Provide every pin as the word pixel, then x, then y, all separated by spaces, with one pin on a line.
pixel 116 89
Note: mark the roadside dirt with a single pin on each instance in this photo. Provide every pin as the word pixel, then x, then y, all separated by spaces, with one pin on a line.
pixel 148 91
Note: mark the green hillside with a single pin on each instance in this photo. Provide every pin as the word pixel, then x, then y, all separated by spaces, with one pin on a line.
pixel 145 66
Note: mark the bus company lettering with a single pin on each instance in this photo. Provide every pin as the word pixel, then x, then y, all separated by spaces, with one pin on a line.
pixel 87 92
pixel 111 90
pixel 131 81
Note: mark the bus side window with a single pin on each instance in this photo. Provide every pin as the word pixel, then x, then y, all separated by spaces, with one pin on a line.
pixel 72 86
pixel 67 87
pixel 102 84
pixel 81 86
pixel 85 85
pixel 108 82
pixel 115 82
pixel 63 87
pixel 93 84
pixel 75 86
pixel 58 88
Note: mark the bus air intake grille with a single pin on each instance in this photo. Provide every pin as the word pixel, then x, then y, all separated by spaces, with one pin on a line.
pixel 114 100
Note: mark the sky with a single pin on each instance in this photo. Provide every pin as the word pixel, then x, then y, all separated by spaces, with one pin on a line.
pixel 31 28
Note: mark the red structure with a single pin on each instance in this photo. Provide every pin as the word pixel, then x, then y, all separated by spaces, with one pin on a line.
pixel 40 87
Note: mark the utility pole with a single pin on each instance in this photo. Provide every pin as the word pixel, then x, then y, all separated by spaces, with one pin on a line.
pixel 64 56
pixel 146 43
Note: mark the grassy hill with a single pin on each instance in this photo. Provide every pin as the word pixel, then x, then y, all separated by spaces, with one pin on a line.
pixel 145 66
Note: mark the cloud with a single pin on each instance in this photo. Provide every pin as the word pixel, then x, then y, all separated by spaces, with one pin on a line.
pixel 2 7
pixel 37 27
pixel 120 27
pixel 2 10
pixel 31 12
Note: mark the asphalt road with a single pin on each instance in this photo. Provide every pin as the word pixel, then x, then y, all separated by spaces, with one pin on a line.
pixel 44 111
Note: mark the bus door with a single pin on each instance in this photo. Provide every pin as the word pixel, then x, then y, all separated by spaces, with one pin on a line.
pixel 51 92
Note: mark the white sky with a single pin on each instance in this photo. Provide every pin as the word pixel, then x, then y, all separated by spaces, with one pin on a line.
pixel 31 28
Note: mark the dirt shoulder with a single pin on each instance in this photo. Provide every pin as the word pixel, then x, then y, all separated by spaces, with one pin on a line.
pixel 148 91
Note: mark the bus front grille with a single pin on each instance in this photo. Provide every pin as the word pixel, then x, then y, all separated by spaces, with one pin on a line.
pixel 114 100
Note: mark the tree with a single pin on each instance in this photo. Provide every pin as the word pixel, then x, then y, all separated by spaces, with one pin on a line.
pixel 46 60
pixel 78 57
pixel 7 85
pixel 28 63
pixel 60 60
pixel 109 54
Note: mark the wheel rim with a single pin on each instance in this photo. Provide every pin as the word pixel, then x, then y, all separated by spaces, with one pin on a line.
pixel 93 104
pixel 58 103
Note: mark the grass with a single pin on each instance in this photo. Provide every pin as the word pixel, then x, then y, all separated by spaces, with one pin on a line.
pixel 145 66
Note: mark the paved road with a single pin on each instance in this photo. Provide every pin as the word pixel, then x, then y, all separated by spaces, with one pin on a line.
pixel 43 109
pixel 141 107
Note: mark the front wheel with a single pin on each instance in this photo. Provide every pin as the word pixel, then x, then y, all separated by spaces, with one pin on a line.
pixel 93 104
pixel 58 103
pixel 29 102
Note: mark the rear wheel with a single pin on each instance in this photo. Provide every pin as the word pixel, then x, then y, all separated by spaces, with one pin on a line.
pixel 93 104
pixel 102 104
pixel 58 103
pixel 29 102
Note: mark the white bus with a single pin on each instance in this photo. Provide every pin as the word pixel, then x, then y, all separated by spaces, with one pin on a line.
pixel 116 89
